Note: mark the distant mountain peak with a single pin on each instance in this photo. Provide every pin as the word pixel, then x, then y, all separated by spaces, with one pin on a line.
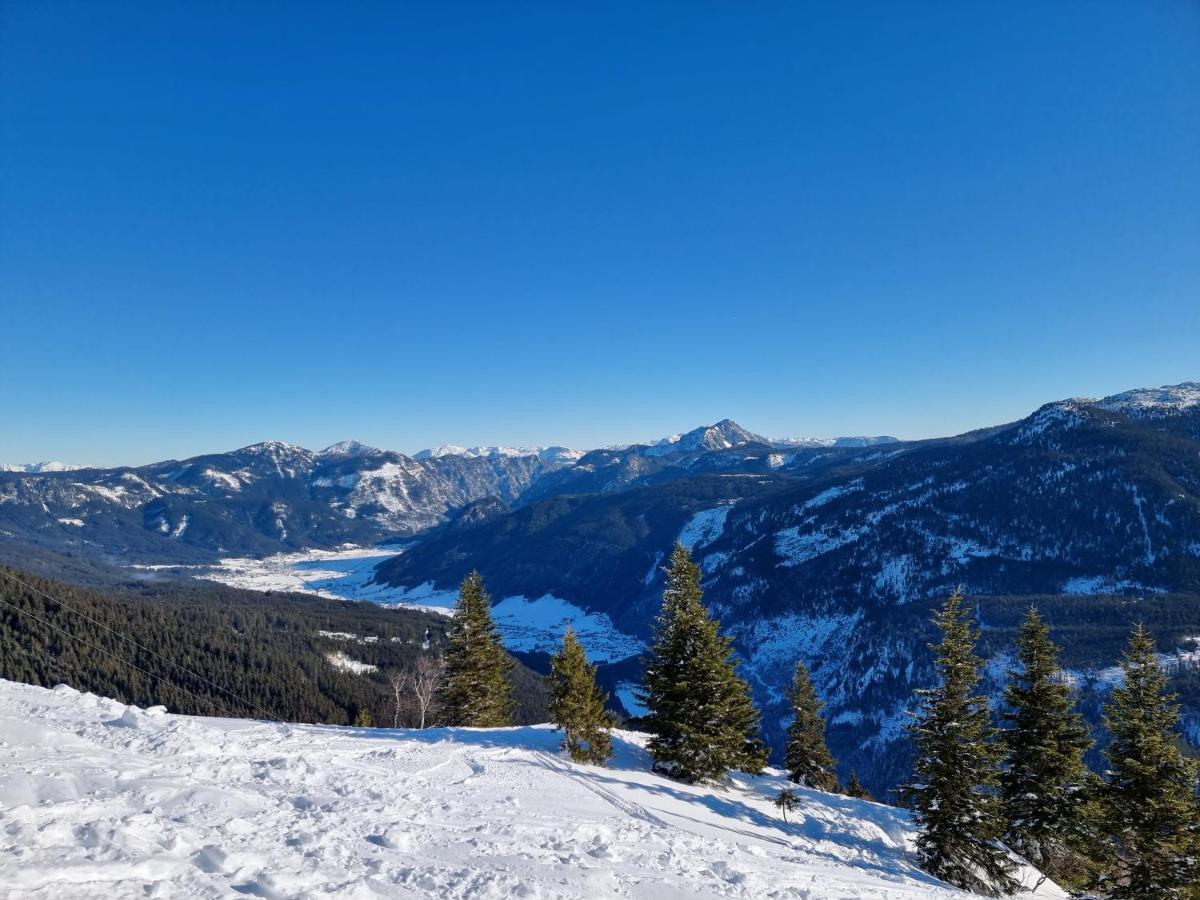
pixel 562 455
pixel 727 434
pixel 39 468
pixel 348 448
pixel 721 435
pixel 1151 401
pixel 272 448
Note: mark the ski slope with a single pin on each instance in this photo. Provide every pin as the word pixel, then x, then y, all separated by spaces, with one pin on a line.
pixel 99 799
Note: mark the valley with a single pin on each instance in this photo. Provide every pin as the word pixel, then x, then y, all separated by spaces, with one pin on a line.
pixel 830 552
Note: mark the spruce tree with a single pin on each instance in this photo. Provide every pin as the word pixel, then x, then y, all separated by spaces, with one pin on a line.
pixel 701 718
pixel 856 789
pixel 956 770
pixel 808 759
pixel 577 704
pixel 1045 784
pixel 475 690
pixel 1150 805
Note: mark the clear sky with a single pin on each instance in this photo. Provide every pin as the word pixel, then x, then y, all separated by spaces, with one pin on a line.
pixel 530 223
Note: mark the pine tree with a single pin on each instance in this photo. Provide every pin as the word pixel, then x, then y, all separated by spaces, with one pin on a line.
pixel 577 704
pixel 786 799
pixel 701 718
pixel 956 771
pixel 1045 785
pixel 475 690
pixel 808 759
pixel 856 789
pixel 364 719
pixel 1150 807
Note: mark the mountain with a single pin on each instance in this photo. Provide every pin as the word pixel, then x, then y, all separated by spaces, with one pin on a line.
pixel 40 467
pixel 275 496
pixel 721 436
pixel 109 800
pixel 833 552
pixel 261 499
pixel 554 455
pixel 836 556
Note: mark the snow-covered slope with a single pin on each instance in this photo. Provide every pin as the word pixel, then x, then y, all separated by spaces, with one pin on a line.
pixel 98 799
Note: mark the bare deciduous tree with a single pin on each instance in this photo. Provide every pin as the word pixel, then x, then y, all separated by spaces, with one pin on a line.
pixel 397 681
pixel 421 682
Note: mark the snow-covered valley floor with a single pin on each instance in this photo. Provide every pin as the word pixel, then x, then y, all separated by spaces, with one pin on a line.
pixel 526 623
pixel 101 800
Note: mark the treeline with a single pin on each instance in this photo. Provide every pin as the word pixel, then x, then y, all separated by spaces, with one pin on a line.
pixel 980 789
pixel 205 649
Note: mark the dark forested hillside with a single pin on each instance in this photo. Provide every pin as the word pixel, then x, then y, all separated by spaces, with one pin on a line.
pixel 270 651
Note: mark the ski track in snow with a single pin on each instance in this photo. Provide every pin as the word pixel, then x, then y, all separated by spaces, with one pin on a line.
pixel 98 799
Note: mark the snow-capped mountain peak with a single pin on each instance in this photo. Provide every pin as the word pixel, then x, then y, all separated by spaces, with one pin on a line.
pixel 720 436
pixel 562 455
pixel 39 468
pixel 348 448
pixel 274 449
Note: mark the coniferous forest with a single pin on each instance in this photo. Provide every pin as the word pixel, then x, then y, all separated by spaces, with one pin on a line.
pixel 270 650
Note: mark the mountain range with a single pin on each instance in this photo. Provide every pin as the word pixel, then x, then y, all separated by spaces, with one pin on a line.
pixel 832 552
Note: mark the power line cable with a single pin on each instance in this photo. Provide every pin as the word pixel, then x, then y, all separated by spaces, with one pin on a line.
pixel 120 659
pixel 129 640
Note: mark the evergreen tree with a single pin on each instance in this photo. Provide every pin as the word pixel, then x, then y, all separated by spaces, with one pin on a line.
pixel 785 800
pixel 808 759
pixel 475 690
pixel 956 769
pixel 364 719
pixel 1151 810
pixel 701 718
pixel 856 789
pixel 577 704
pixel 1045 785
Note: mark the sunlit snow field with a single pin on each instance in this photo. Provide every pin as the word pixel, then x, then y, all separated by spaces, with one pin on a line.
pixel 99 799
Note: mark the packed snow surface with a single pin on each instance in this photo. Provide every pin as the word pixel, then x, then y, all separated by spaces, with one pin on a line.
pixel 98 799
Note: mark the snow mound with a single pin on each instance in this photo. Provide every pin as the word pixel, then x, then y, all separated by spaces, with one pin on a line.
pixel 98 799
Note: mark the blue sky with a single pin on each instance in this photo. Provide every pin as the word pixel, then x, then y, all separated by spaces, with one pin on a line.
pixel 534 223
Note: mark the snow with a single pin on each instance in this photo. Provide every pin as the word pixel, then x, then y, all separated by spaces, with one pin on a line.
pixel 1111 676
pixel 1170 398
pixel 538 625
pixel 343 574
pixel 1064 414
pixel 563 455
pixel 704 527
pixel 347 636
pixel 39 468
pixel 346 574
pixel 348 448
pixel 216 476
pixel 112 495
pixel 76 523
pixel 830 494
pixel 797 546
pixel 1103 584
pixel 98 799
pixel 340 660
